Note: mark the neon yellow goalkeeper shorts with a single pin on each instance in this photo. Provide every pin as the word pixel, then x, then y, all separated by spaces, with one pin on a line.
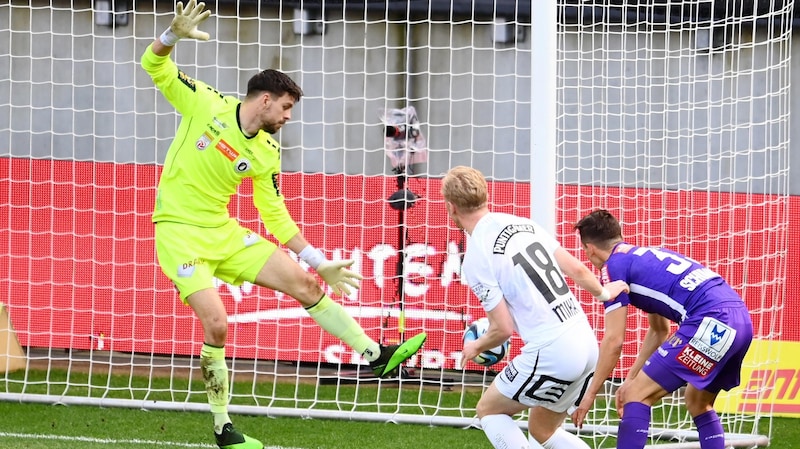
pixel 192 256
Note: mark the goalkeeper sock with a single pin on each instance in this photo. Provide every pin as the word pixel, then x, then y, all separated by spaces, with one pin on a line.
pixel 215 377
pixel 331 316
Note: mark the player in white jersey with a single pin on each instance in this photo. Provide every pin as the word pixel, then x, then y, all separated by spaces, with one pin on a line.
pixel 516 269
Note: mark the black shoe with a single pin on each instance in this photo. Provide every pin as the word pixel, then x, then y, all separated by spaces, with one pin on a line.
pixel 392 356
pixel 231 438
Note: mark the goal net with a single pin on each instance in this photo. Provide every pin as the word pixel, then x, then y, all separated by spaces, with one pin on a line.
pixel 674 117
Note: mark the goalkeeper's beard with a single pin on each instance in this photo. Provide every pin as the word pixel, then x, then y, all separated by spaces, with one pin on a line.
pixel 271 128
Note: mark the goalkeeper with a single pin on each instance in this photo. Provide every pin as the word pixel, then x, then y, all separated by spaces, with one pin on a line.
pixel 220 141
pixel 705 352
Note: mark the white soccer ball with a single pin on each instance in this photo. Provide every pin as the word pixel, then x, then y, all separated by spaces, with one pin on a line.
pixel 490 356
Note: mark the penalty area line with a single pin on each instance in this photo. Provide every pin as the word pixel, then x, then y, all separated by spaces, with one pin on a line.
pixel 83 439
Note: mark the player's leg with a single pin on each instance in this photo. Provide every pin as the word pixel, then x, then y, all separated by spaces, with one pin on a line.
pixel 280 272
pixel 495 412
pixel 700 404
pixel 548 433
pixel 561 383
pixel 209 309
pixel 641 393
pixel 548 381
pixel 183 254
pixel 732 335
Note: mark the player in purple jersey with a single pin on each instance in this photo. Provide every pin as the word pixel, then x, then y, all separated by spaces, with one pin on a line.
pixel 705 352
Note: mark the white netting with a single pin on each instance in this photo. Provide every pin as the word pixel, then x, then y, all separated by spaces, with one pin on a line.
pixel 674 117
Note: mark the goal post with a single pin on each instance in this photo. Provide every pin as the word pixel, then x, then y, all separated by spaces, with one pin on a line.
pixel 674 116
pixel 670 116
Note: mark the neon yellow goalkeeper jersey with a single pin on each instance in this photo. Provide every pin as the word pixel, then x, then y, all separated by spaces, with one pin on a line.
pixel 210 157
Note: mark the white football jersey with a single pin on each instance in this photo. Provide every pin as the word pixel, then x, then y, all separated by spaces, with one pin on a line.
pixel 512 258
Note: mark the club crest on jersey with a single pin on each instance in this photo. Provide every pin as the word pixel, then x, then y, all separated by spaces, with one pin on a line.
pixel 243 165
pixel 204 141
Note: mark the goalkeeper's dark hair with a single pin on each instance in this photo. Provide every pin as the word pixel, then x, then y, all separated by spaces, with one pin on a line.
pixel 599 228
pixel 275 82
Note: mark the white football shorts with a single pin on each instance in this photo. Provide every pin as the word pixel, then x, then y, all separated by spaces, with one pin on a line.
pixel 553 376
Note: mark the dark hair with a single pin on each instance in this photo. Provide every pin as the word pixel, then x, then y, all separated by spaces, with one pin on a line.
pixel 599 228
pixel 274 82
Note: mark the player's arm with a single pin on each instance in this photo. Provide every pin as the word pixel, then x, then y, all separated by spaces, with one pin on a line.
pixel 656 335
pixel 276 217
pixel 178 88
pixel 610 351
pixel 583 276
pixel 184 25
pixel 501 326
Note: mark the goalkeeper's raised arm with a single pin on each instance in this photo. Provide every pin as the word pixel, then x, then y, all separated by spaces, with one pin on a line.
pixel 184 25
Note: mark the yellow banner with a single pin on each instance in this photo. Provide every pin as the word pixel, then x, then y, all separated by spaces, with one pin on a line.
pixel 770 381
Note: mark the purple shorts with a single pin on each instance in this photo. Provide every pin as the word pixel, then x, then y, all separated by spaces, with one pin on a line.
pixel 706 351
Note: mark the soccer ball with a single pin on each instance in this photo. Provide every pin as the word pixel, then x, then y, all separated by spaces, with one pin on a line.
pixel 490 356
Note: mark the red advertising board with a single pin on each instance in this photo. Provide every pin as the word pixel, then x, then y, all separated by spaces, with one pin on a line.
pixel 80 263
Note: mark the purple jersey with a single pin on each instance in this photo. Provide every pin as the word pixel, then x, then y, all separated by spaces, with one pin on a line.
pixel 665 283
pixel 715 329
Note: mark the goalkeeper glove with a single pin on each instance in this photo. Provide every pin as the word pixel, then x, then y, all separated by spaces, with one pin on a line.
pixel 336 274
pixel 185 23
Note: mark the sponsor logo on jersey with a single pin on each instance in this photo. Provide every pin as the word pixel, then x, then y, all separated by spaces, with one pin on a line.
pixel 219 123
pixel 213 130
pixel 604 277
pixel 713 338
pixel 275 184
pixel 186 269
pixel 187 80
pixel 250 238
pixel 510 371
pixel 695 360
pixel 481 291
pixel 675 341
pixel 508 232
pixel 204 141
pixel 227 150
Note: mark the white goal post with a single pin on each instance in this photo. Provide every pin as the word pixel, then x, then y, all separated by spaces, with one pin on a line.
pixel 675 117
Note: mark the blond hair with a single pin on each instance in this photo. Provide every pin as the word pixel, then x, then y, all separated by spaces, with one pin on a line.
pixel 465 188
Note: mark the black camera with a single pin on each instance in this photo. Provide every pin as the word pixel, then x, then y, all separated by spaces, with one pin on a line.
pixel 401 131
